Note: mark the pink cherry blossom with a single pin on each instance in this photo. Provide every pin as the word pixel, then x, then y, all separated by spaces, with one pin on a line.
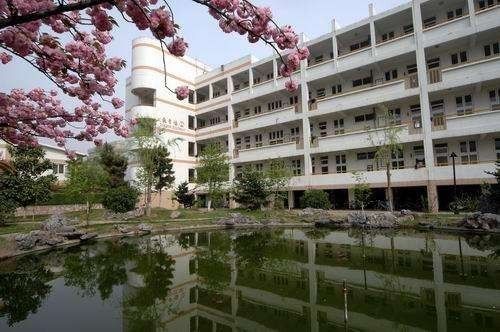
pixel 182 92
pixel 291 85
pixel 5 58
pixel 177 47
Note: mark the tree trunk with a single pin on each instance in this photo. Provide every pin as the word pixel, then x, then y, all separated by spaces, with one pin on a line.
pixel 209 202
pixel 87 212
pixel 148 201
pixel 390 199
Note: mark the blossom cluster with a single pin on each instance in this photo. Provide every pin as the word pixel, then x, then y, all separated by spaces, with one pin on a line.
pixel 69 48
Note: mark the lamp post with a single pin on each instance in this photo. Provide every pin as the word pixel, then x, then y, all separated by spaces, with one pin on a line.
pixel 453 156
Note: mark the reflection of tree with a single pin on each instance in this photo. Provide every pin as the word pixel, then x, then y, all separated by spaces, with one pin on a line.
pixel 317 233
pixel 255 249
pixel 93 269
pixel 488 242
pixel 214 269
pixel 142 308
pixel 22 291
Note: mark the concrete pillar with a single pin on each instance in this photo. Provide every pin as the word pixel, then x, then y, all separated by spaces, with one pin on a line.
pixel 424 92
pixel 250 79
pixel 439 291
pixel 210 91
pixel 290 200
pixel 373 36
pixel 472 13
pixel 335 44
pixel 306 139
pixel 313 284
pixel 275 72
pixel 432 197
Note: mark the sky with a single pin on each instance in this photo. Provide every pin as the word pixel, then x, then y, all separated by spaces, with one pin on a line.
pixel 207 42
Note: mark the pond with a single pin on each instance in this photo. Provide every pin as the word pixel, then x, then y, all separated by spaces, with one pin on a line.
pixel 282 280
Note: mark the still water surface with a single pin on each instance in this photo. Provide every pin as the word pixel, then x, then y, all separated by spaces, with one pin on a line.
pixel 286 280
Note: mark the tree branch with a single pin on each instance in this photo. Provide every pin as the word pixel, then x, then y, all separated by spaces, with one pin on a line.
pixel 76 6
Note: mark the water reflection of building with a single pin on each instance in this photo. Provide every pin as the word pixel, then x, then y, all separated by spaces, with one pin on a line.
pixel 403 282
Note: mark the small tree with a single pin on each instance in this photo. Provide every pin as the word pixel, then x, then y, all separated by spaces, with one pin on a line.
pixel 89 180
pixel 183 195
pixel 26 179
pixel 316 199
pixel 387 144
pixel 212 171
pixel 278 176
pixel 114 163
pixel 251 188
pixel 155 165
pixel 362 192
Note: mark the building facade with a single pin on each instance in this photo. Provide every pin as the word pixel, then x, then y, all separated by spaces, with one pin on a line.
pixel 433 66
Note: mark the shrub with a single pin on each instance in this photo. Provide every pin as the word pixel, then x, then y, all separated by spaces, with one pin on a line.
pixel 317 199
pixel 251 188
pixel 183 195
pixel 121 199
pixel 362 196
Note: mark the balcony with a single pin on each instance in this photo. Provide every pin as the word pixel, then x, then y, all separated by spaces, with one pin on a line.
pixel 447 30
pixel 263 88
pixel 213 131
pixel 144 111
pixel 478 122
pixel 397 46
pixel 487 18
pixel 289 148
pixel 355 59
pixel 407 177
pixel 470 173
pixel 320 69
pixel 267 119
pixel 359 138
pixel 370 95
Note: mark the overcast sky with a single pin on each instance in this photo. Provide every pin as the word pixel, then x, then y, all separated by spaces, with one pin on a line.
pixel 207 42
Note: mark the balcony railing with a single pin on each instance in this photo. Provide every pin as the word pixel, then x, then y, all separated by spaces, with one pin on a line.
pixel 434 75
pixel 286 140
pixel 296 108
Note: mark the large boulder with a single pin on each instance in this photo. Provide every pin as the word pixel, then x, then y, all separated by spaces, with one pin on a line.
pixel 144 228
pixel 37 237
pixel 235 219
pixel 372 219
pixel 134 214
pixel 481 221
pixel 25 241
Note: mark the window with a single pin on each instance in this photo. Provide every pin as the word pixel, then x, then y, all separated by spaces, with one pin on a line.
pixel 433 63
pixel 365 156
pixel 418 152
pixel 336 89
pixel 247 141
pixel 58 168
pixel 237 115
pixel 295 134
pixel 441 152
pixel 191 149
pixel 341 163
pixel 237 143
pixel 294 100
pixel 398 161
pixel 191 175
pixel 270 76
pixel 322 129
pixel 362 81
pixel 324 164
pixel 407 29
pixel 318 59
pixel 297 167
pixel 259 167
pixel 246 112
pixel 459 57
pixel 214 121
pixel 412 69
pixel 388 36
pixel 257 110
pixel 274 105
pixel 391 75
pixel 491 49
pixel 338 127
pixel 416 117
pixel 364 117
pixel 495 99
pixel 191 97
pixel 238 172
pixel 497 148
pixel 258 140
pixel 483 4
pixel 459 12
pixel 276 137
pixel 429 22
pixel 464 105
pixel 320 93
pixel 191 122
pixel 256 80
pixel 468 152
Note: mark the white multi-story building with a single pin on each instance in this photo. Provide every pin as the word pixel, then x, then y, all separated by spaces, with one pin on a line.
pixel 433 65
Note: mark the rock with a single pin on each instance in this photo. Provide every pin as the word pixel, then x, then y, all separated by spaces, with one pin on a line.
pixel 372 219
pixel 71 235
pixel 406 219
pixel 54 240
pixel 109 215
pixel 175 214
pixel 58 222
pixel 235 219
pixel 88 236
pixel 481 221
pixel 145 228
pixel 123 229
pixel 25 241
pixel 310 212
pixel 405 212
